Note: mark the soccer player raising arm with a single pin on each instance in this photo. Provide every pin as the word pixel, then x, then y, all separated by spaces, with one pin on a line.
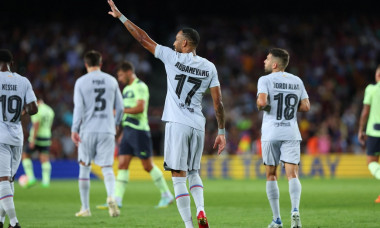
pixel 188 78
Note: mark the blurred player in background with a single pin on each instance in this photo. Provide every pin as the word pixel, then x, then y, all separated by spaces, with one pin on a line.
pixel 136 139
pixel 16 94
pixel 188 78
pixel 370 116
pixel 281 95
pixel 96 95
pixel 39 140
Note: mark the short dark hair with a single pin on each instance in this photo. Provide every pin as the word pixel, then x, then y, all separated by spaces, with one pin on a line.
pixel 125 66
pixel 282 54
pixel 93 58
pixel 6 56
pixel 191 35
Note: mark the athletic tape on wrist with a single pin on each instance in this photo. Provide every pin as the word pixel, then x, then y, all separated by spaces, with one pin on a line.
pixel 123 19
pixel 222 131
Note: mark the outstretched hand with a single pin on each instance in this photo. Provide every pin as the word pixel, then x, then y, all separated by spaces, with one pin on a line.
pixel 114 11
pixel 220 142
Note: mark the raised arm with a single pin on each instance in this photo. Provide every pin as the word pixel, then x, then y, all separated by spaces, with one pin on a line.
pixel 140 35
pixel 220 140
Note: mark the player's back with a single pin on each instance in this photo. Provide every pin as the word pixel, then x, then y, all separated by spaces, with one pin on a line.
pixel 16 91
pixel 285 91
pixel 45 117
pixel 95 94
pixel 188 78
pixel 372 95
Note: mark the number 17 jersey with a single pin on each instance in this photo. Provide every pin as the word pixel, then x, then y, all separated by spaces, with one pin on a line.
pixel 285 91
pixel 188 77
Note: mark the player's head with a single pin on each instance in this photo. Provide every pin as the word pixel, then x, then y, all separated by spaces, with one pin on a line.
pixel 125 72
pixel 377 75
pixel 6 60
pixel 92 59
pixel 277 60
pixel 186 40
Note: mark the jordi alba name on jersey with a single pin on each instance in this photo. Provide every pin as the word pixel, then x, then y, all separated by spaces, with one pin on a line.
pixel 284 91
pixel 15 92
pixel 188 77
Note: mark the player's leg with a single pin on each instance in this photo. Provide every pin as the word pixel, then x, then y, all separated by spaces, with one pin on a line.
pixel 27 164
pixel 271 159
pixel 122 178
pixel 144 150
pixel 104 157
pixel 175 160
pixel 160 182
pixel 45 166
pixel 195 182
pixel 290 155
pixel 10 157
pixel 85 154
pixel 2 216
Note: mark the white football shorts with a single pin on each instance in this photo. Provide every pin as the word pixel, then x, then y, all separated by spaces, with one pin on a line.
pixel 99 147
pixel 183 147
pixel 284 151
pixel 10 157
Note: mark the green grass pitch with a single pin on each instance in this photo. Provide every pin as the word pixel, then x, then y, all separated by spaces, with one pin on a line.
pixel 229 203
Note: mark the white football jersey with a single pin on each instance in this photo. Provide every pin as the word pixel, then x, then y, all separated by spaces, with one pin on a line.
pixel 15 92
pixel 188 77
pixel 96 95
pixel 285 91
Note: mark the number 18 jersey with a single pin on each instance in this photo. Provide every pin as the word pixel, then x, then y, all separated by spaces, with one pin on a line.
pixel 188 77
pixel 15 92
pixel 285 91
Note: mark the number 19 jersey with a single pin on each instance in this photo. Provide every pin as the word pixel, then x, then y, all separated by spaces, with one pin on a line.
pixel 285 91
pixel 188 77
pixel 15 92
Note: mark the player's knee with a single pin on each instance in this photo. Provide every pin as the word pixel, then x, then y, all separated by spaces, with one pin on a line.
pixel 148 167
pixel 107 170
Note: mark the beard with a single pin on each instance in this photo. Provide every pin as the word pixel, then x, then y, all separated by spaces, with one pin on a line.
pixel 267 70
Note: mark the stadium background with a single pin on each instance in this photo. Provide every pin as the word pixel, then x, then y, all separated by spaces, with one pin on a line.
pixel 334 48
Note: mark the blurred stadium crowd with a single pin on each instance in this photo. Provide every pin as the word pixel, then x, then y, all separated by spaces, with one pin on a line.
pixel 335 56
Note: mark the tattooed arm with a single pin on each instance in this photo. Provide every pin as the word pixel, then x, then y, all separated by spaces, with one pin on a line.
pixel 140 35
pixel 216 95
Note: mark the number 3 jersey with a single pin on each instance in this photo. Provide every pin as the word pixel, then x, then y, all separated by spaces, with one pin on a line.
pixel 285 91
pixel 15 92
pixel 188 77
pixel 96 95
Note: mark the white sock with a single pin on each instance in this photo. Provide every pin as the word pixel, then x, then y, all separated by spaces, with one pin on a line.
pixel 183 200
pixel 84 186
pixel 196 189
pixel 295 193
pixel 109 181
pixel 2 214
pixel 6 201
pixel 273 194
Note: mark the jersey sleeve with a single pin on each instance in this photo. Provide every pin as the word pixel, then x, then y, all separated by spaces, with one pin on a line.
pixel 214 80
pixel 29 95
pixel 262 86
pixel 119 106
pixel 368 95
pixel 304 94
pixel 37 117
pixel 78 108
pixel 165 54
pixel 142 92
